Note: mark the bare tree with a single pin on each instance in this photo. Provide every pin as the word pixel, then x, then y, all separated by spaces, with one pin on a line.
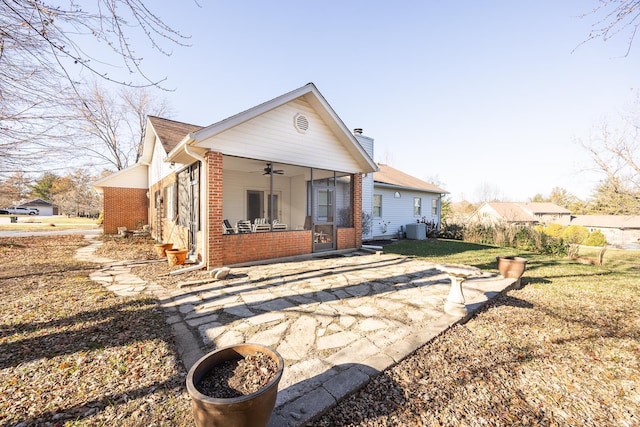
pixel 75 196
pixel 14 190
pixel 43 60
pixel 617 17
pixel 487 192
pixel 616 155
pixel 112 126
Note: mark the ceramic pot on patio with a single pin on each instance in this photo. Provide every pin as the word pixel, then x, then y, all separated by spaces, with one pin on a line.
pixel 176 256
pixel 511 267
pixel 253 409
pixel 161 249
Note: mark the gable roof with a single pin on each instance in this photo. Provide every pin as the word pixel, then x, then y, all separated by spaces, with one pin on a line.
pixel 36 202
pixel 522 212
pixel 544 208
pixel 171 132
pixel 390 176
pixel 309 92
pixel 510 211
pixel 607 221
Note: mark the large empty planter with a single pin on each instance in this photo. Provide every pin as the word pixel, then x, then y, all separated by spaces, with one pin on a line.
pixel 417 231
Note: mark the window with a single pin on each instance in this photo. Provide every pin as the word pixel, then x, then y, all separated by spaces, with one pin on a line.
pixel 417 206
pixel 377 205
pixel 434 207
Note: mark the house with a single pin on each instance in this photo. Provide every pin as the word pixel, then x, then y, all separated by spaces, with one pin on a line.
pixel 283 178
pixel 521 213
pixel 392 199
pixel 619 230
pixel 44 207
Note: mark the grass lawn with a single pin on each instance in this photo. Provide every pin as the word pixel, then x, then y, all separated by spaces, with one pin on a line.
pixel 564 350
pixel 47 223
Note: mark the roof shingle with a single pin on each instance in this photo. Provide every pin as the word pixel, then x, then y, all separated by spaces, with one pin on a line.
pixel 171 132
pixel 388 175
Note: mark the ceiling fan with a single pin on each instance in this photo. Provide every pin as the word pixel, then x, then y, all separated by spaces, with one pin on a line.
pixel 268 170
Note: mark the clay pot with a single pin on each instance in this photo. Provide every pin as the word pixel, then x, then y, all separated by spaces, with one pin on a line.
pixel 161 249
pixel 251 410
pixel 176 256
pixel 511 267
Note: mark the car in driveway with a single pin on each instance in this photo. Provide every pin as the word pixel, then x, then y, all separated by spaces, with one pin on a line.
pixel 21 211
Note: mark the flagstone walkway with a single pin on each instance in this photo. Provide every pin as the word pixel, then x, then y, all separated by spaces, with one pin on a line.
pixel 335 321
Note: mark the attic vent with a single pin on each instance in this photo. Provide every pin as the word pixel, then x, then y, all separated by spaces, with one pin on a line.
pixel 301 123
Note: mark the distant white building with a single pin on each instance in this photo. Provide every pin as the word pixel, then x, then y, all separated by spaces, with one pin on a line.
pixel 619 230
pixel 521 213
pixel 44 207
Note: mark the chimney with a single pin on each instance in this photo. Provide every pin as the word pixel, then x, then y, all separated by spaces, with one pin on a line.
pixel 357 131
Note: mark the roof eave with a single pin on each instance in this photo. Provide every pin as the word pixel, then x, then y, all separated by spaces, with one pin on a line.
pixel 403 187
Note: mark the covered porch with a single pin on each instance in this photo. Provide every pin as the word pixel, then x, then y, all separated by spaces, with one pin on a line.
pixel 275 210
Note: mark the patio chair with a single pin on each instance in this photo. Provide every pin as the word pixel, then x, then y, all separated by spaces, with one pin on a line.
pixel 228 229
pixel 244 226
pixel 278 226
pixel 260 225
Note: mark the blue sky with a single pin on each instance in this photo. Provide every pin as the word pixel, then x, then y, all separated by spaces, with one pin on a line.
pixel 470 94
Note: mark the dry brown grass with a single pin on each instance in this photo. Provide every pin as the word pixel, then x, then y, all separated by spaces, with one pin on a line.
pixel 564 351
pixel 72 353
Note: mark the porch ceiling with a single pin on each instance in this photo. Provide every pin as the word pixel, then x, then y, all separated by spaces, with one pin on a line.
pixel 257 167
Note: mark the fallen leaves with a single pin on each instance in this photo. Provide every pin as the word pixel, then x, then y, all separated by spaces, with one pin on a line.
pixel 71 352
pixel 554 355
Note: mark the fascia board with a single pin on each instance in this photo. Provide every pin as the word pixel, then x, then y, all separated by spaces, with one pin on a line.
pixel 401 187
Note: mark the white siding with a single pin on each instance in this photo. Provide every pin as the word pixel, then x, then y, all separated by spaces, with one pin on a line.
pixel 398 212
pixel 158 168
pixel 273 137
pixel 132 177
pixel 367 200
pixel 367 182
pixel 235 189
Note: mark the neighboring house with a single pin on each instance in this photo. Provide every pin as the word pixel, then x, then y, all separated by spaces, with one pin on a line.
pixel 44 207
pixel 619 230
pixel 289 160
pixel 400 199
pixel 521 213
pixel 394 199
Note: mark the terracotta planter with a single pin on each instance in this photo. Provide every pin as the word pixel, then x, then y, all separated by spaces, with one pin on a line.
pixel 251 410
pixel 176 256
pixel 161 249
pixel 511 267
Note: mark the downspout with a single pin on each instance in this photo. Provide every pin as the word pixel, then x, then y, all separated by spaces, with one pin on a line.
pixel 204 189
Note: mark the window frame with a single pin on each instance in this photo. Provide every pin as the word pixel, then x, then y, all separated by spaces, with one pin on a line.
pixel 417 206
pixel 377 207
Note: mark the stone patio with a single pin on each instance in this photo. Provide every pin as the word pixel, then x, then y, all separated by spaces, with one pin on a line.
pixel 336 321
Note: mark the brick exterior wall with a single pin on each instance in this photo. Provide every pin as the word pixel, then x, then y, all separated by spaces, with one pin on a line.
pixel 124 207
pixel 346 238
pixel 238 248
pixel 216 248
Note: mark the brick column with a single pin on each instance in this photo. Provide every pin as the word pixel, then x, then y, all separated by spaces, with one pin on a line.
pixel 356 203
pixel 214 200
